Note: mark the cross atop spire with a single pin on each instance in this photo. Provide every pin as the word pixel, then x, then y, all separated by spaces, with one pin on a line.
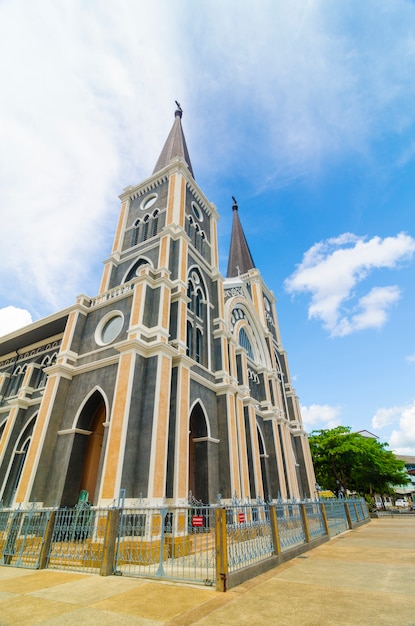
pixel 175 145
pixel 240 257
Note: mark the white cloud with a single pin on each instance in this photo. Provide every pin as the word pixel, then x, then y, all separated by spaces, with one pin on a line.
pixel 70 129
pixel 317 416
pixel 330 271
pixel 88 92
pixel 402 440
pixel 411 358
pixel 386 416
pixel 12 318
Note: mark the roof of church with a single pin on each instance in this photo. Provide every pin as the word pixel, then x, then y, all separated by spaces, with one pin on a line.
pixel 175 145
pixel 240 257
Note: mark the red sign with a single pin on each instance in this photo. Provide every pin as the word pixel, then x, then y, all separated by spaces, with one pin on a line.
pixel 241 517
pixel 197 520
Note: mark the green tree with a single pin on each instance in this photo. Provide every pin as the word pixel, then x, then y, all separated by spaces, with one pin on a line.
pixel 344 460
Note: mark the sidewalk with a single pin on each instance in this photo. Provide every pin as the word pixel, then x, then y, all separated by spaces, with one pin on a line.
pixel 365 576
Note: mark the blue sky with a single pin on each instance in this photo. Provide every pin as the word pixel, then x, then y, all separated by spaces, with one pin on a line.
pixel 303 110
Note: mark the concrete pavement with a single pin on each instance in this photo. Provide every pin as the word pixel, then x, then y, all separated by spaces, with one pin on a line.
pixel 365 576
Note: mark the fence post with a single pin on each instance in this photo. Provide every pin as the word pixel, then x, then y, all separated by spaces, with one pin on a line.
pixel 221 549
pixel 110 540
pixel 47 539
pixel 357 512
pixel 274 529
pixel 305 522
pixel 325 520
pixel 348 516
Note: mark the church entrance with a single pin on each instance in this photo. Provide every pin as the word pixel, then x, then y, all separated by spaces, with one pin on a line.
pixel 198 455
pixel 85 464
pixel 93 453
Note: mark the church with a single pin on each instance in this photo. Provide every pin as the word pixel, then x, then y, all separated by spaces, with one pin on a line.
pixel 170 384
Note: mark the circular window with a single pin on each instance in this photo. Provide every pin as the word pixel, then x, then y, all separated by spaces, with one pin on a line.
pixel 197 211
pixel 109 328
pixel 148 202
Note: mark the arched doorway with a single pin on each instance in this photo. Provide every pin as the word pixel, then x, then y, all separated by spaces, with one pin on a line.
pixel 93 452
pixel 87 453
pixel 16 466
pixel 198 455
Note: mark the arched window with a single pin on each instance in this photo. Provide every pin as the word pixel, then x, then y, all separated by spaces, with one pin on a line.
pixel 2 428
pixel 198 303
pixel 17 380
pixel 189 224
pixel 154 225
pixel 202 242
pixel 244 342
pixel 189 339
pixel 144 233
pixel 136 230
pixel 198 345
pixel 42 376
pixel 189 294
pixel 133 271
pixel 198 318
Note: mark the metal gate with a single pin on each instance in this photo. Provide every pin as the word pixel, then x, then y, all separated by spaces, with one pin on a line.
pixel 77 541
pixel 21 537
pixel 171 542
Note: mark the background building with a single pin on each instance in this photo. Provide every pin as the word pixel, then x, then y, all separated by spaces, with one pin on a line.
pixel 172 380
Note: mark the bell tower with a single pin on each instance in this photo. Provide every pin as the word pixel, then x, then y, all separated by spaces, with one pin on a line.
pixel 165 251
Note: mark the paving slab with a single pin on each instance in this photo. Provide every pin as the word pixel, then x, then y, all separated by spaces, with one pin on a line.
pixel 362 577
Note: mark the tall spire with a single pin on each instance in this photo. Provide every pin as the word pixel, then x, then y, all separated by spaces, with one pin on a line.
pixel 240 257
pixel 175 145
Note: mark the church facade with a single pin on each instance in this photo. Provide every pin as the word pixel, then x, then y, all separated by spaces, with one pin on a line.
pixel 171 383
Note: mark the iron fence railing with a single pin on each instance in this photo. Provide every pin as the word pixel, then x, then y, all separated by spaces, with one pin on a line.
pixel 248 532
pixel 336 516
pixel 21 536
pixel 315 519
pixel 170 542
pixel 290 525
pixel 77 541
pixel 194 542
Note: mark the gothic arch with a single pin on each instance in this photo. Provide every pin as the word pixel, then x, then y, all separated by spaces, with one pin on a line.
pixel 17 461
pixel 88 448
pixel 97 389
pixel 42 376
pixel 17 379
pixel 203 409
pixel 199 435
pixel 252 324
pixel 132 270
pixel 198 317
pixel 263 458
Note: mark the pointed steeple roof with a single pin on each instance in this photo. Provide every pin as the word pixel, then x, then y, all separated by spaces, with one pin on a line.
pixel 175 145
pixel 240 257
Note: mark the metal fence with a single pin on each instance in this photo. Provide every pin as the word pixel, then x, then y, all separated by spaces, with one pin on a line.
pixel 171 542
pixel 290 525
pixel 248 534
pixel 77 540
pixel 22 537
pixel 336 516
pixel 194 543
